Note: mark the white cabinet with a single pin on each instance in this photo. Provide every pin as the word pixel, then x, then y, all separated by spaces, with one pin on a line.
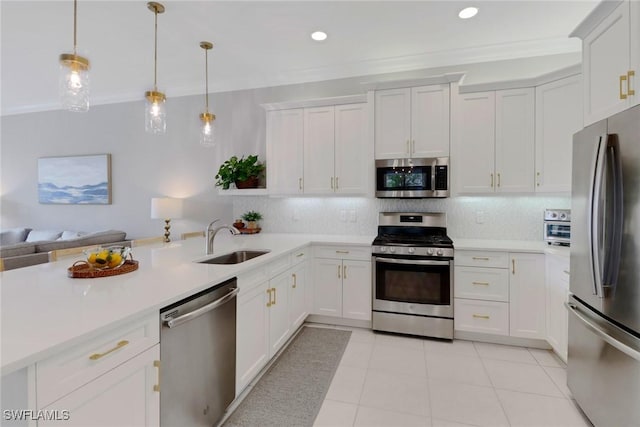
pixel 335 149
pixel 284 151
pixel 500 293
pixel 493 141
pixel 610 62
pixel 412 122
pixel 108 380
pixel 126 395
pixel 342 283
pixel 558 117
pixel 527 296
pixel 557 289
pixel 278 304
pixel 298 295
pixel 318 150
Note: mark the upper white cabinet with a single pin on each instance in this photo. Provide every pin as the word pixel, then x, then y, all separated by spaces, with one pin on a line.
pixel 412 122
pixel 335 147
pixel 321 149
pixel 610 59
pixel 558 117
pixel 284 151
pixel 493 141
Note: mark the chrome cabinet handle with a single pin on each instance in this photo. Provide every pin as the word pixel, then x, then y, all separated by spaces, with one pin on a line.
pixel 513 266
pixel 156 364
pixel 491 180
pixel 339 277
pixel 344 271
pixel 630 74
pixel 118 346
pixel 498 180
pixel 295 280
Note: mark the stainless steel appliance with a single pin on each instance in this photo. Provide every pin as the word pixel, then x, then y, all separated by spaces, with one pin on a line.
pixel 557 226
pixel 198 357
pixel 412 178
pixel 604 306
pixel 413 275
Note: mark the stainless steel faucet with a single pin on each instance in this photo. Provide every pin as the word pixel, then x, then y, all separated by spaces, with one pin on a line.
pixel 211 233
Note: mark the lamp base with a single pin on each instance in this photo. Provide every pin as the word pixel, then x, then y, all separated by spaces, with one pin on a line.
pixel 167 233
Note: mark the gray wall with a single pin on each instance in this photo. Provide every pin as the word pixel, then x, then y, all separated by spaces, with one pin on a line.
pixel 146 166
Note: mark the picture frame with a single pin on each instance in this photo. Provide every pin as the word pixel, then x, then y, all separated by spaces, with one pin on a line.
pixel 75 180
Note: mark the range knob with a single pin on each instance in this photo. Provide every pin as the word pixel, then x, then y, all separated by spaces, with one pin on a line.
pixel 430 251
pixel 563 216
pixel 412 250
pixel 440 252
pixel 392 249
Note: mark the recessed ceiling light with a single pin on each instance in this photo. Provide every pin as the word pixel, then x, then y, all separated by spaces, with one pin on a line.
pixel 468 12
pixel 319 35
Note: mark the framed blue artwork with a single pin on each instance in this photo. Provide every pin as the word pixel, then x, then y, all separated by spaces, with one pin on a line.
pixel 75 180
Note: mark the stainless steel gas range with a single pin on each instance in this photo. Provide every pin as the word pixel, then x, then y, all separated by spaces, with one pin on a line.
pixel 413 275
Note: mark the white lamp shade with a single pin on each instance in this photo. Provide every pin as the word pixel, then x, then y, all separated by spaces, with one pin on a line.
pixel 166 208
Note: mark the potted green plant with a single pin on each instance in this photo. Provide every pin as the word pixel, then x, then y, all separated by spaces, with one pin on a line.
pixel 244 172
pixel 252 218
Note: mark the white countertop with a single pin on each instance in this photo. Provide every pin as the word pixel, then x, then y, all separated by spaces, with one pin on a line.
pixel 533 246
pixel 44 311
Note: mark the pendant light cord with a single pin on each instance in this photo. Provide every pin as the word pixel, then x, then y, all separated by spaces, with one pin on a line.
pixel 155 55
pixel 75 20
pixel 206 79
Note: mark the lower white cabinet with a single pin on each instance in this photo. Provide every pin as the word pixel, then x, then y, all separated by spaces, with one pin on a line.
pixel 557 289
pixel 126 395
pixel 298 295
pixel 342 286
pixel 278 307
pixel 501 293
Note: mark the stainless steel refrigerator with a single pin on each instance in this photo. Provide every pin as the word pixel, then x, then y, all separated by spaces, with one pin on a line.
pixel 603 368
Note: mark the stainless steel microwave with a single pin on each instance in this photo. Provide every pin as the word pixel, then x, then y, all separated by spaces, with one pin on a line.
pixel 557 226
pixel 412 178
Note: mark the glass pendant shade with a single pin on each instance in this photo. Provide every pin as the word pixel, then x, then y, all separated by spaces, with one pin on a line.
pixel 74 82
pixel 155 113
pixel 208 130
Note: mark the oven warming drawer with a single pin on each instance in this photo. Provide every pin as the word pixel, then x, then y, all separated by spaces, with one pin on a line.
pixel 436 327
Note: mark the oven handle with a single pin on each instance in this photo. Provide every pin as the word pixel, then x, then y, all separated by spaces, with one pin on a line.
pixel 411 262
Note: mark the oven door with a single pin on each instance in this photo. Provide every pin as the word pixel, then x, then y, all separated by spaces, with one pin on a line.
pixel 557 231
pixel 413 286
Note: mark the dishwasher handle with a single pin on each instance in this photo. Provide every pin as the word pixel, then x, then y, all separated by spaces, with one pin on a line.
pixel 172 323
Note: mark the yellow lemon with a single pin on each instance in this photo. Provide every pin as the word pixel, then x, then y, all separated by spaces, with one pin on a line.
pixel 92 258
pixel 116 258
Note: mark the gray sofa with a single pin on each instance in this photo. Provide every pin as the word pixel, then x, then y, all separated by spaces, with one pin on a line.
pixel 22 247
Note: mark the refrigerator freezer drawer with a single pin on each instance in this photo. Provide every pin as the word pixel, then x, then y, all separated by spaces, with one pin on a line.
pixel 603 371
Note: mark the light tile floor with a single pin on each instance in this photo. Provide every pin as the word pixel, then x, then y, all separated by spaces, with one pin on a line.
pixel 392 380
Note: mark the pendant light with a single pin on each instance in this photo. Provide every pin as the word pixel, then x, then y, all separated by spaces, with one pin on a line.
pixel 74 75
pixel 207 133
pixel 155 113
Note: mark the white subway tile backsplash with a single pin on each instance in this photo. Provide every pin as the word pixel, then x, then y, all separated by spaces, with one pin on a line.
pixel 502 217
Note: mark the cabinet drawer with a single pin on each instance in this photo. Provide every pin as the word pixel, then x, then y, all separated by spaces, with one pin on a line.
pixel 482 259
pixel 487 317
pixel 251 279
pixel 362 253
pixel 482 283
pixel 279 265
pixel 76 366
pixel 300 255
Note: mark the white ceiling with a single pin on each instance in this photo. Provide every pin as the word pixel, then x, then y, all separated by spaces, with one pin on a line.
pixel 262 43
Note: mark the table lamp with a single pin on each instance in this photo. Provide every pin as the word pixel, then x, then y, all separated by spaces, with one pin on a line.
pixel 166 208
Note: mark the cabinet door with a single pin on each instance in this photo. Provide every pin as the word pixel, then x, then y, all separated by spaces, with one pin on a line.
pixel 527 296
pixel 473 118
pixel 318 150
pixel 392 123
pixel 430 121
pixel 356 290
pixel 252 338
pixel 515 140
pixel 558 117
pixel 122 396
pixel 353 158
pixel 297 295
pixel 605 57
pixel 285 151
pixel 327 283
pixel 634 58
pixel 557 289
pixel 279 326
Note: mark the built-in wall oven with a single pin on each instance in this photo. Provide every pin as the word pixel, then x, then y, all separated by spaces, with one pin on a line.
pixel 412 178
pixel 413 275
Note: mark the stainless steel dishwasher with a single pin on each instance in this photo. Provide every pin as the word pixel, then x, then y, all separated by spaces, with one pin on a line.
pixel 198 357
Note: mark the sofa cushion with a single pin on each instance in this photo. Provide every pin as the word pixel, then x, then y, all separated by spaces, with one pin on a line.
pixel 67 235
pixel 43 235
pixel 13 236
pixel 23 248
pixel 96 238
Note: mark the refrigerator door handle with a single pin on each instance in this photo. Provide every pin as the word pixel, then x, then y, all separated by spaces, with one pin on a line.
pixel 631 352
pixel 595 216
pixel 614 216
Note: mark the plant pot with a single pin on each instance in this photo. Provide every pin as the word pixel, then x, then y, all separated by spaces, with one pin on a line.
pixel 252 224
pixel 251 182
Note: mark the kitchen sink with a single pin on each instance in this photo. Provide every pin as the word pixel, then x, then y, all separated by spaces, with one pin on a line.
pixel 234 257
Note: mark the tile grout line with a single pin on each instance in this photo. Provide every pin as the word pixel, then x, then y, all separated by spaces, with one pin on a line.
pixel 493 387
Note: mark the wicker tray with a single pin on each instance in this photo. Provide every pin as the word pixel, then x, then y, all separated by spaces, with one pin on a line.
pixel 83 270
pixel 250 230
